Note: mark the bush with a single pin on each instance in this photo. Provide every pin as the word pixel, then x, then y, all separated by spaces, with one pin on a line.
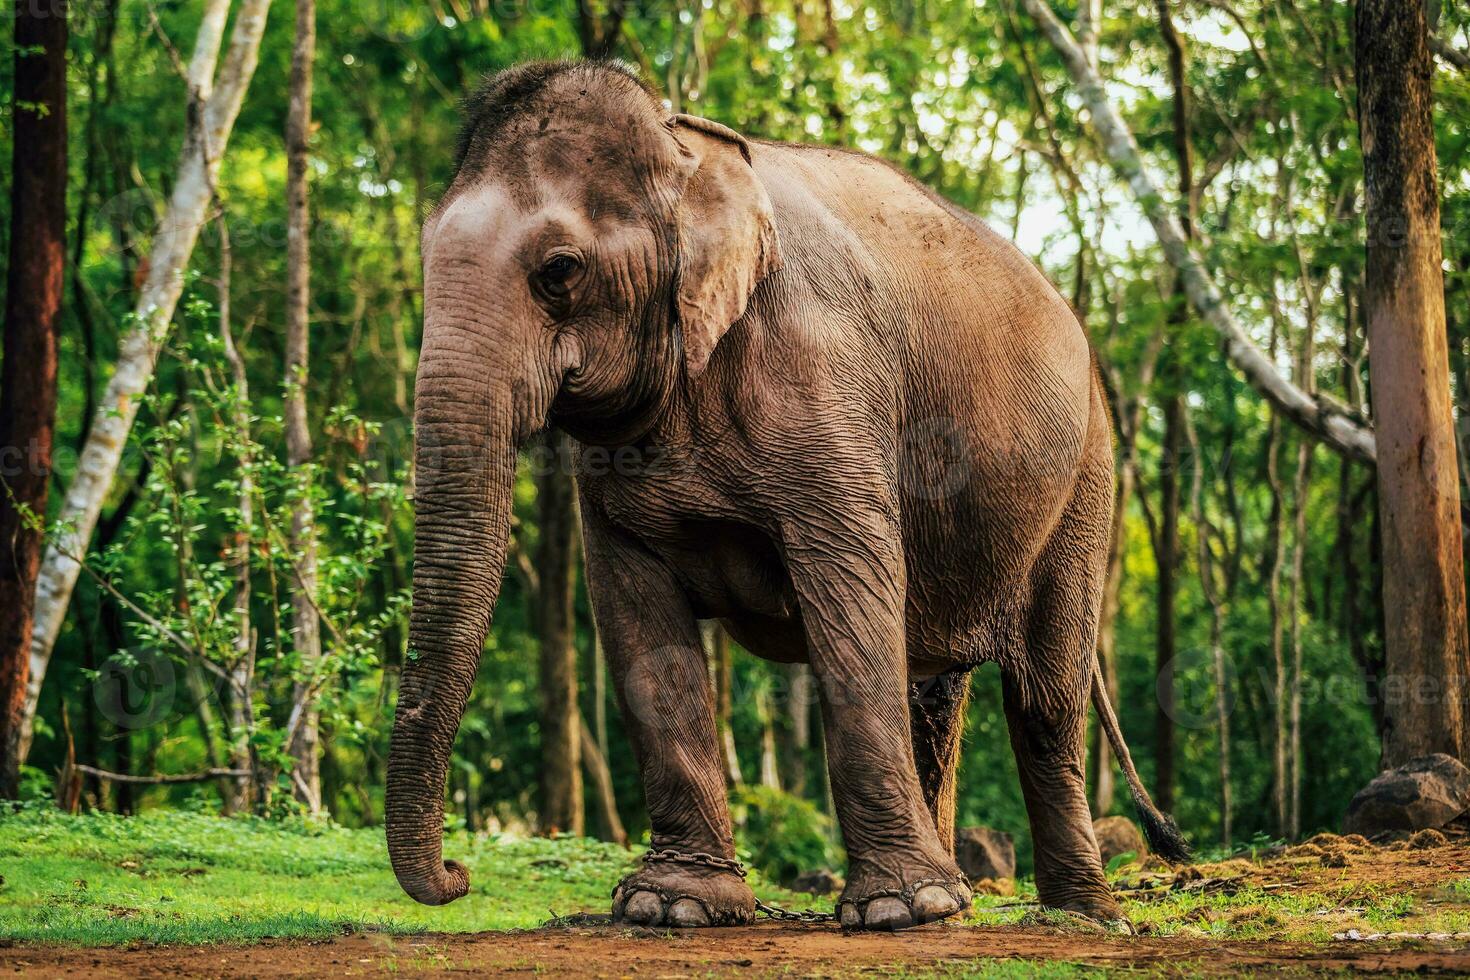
pixel 783 835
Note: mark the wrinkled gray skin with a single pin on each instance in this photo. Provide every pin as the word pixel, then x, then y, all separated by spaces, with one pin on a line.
pixel 814 402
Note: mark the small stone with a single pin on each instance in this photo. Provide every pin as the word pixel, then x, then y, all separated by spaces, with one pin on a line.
pixel 985 853
pixel 823 881
pixel 1117 836
pixel 1423 793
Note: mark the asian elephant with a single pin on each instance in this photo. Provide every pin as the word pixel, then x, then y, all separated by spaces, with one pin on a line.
pixel 812 401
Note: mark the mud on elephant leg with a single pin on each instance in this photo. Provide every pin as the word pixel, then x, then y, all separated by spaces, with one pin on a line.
pixel 899 873
pixel 690 877
pixel 937 720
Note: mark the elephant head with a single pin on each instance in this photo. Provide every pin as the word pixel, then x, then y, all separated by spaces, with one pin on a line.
pixel 584 263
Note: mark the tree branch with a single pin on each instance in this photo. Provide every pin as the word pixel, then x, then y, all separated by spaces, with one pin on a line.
pixel 1318 416
pixel 1450 54
pixel 161 780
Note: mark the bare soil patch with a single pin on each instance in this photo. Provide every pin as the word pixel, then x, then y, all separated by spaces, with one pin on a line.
pixel 757 950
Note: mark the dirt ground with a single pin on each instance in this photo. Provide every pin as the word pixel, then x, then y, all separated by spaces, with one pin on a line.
pixel 794 950
pixel 1331 876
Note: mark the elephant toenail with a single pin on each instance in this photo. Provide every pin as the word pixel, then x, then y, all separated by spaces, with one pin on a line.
pixel 643 908
pixel 687 913
pixel 932 903
pixel 887 913
pixel 849 916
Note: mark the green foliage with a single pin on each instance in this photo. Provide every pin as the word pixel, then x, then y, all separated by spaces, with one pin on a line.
pixel 782 835
pixel 171 876
pixel 967 98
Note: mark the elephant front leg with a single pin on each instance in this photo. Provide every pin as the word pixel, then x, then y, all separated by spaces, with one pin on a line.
pixel 690 876
pixel 900 873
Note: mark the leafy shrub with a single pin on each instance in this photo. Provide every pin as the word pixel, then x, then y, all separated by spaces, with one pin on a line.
pixel 783 835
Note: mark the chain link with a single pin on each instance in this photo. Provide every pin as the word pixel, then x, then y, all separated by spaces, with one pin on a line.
pixel 696 858
pixel 787 915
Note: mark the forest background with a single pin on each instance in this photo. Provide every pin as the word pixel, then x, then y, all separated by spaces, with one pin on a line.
pixel 267 481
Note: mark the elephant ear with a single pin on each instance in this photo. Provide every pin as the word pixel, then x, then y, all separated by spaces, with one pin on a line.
pixel 727 235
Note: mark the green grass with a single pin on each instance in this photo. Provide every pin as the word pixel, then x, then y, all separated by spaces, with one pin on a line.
pixel 168 876
pixel 178 877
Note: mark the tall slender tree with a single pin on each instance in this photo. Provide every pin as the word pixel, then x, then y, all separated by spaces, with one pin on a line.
pixel 1175 421
pixel 305 620
pixel 35 278
pixel 556 567
pixel 1418 484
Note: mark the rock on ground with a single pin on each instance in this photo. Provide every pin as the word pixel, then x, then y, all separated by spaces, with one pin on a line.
pixel 1421 794
pixel 819 882
pixel 1118 835
pixel 985 853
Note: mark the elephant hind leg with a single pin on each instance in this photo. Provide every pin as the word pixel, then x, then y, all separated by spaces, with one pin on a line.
pixel 1046 694
pixel 936 723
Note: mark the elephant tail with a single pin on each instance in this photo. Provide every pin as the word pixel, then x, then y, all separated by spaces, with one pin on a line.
pixel 1163 835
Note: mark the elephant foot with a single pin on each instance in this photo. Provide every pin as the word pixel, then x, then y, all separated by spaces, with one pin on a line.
pixel 1099 909
pixel 927 897
pixel 671 892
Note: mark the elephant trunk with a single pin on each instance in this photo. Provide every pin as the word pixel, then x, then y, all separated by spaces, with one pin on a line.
pixel 465 456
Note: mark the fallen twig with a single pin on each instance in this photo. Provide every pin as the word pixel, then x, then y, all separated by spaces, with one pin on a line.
pixel 156 780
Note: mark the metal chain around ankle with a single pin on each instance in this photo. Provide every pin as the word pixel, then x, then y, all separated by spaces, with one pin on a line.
pixel 697 858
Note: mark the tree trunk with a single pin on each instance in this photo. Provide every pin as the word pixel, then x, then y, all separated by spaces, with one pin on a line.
pixel 770 767
pixel 193 187
pixel 1211 587
pixel 600 775
pixel 722 668
pixel 1175 421
pixel 1276 551
pixel 798 728
pixel 35 278
pixel 1419 492
pixel 1167 559
pixel 240 715
pixel 1298 557
pixel 561 772
pixel 305 622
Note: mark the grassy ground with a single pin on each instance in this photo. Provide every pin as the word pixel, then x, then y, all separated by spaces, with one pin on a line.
pixel 175 877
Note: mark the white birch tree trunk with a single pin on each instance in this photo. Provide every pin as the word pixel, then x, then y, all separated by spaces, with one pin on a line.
pixel 204 146
pixel 305 623
pixel 1321 417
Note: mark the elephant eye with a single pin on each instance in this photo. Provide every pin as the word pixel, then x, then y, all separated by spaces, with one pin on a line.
pixel 556 273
